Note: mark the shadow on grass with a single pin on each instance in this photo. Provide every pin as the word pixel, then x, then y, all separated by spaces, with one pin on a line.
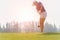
pixel 51 33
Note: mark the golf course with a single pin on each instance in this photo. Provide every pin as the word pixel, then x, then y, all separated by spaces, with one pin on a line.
pixel 30 36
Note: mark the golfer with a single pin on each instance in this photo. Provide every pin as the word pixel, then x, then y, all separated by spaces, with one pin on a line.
pixel 40 9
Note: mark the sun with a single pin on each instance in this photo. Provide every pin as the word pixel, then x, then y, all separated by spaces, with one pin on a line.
pixel 28 13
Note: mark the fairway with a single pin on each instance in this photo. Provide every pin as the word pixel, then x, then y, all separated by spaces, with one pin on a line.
pixel 29 36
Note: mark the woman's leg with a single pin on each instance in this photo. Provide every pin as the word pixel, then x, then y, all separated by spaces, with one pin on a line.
pixel 42 24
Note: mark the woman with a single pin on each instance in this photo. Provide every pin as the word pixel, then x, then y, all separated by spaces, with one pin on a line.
pixel 40 9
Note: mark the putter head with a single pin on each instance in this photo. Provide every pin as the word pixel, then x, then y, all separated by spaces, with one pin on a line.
pixel 38 25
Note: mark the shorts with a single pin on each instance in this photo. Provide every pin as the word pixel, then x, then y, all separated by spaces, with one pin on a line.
pixel 43 15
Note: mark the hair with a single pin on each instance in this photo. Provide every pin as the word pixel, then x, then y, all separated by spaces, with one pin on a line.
pixel 35 2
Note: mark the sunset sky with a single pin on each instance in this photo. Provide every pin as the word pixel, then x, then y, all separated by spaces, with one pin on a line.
pixel 22 10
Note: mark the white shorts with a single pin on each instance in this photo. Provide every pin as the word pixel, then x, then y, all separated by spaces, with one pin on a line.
pixel 43 15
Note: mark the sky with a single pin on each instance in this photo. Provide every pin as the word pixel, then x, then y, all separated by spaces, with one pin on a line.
pixel 22 10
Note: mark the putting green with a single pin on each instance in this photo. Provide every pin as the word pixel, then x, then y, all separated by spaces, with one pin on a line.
pixel 29 36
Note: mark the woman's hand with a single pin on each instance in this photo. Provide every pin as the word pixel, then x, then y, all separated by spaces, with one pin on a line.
pixel 39 12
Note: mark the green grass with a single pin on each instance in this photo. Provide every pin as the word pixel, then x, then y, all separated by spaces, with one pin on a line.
pixel 29 36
